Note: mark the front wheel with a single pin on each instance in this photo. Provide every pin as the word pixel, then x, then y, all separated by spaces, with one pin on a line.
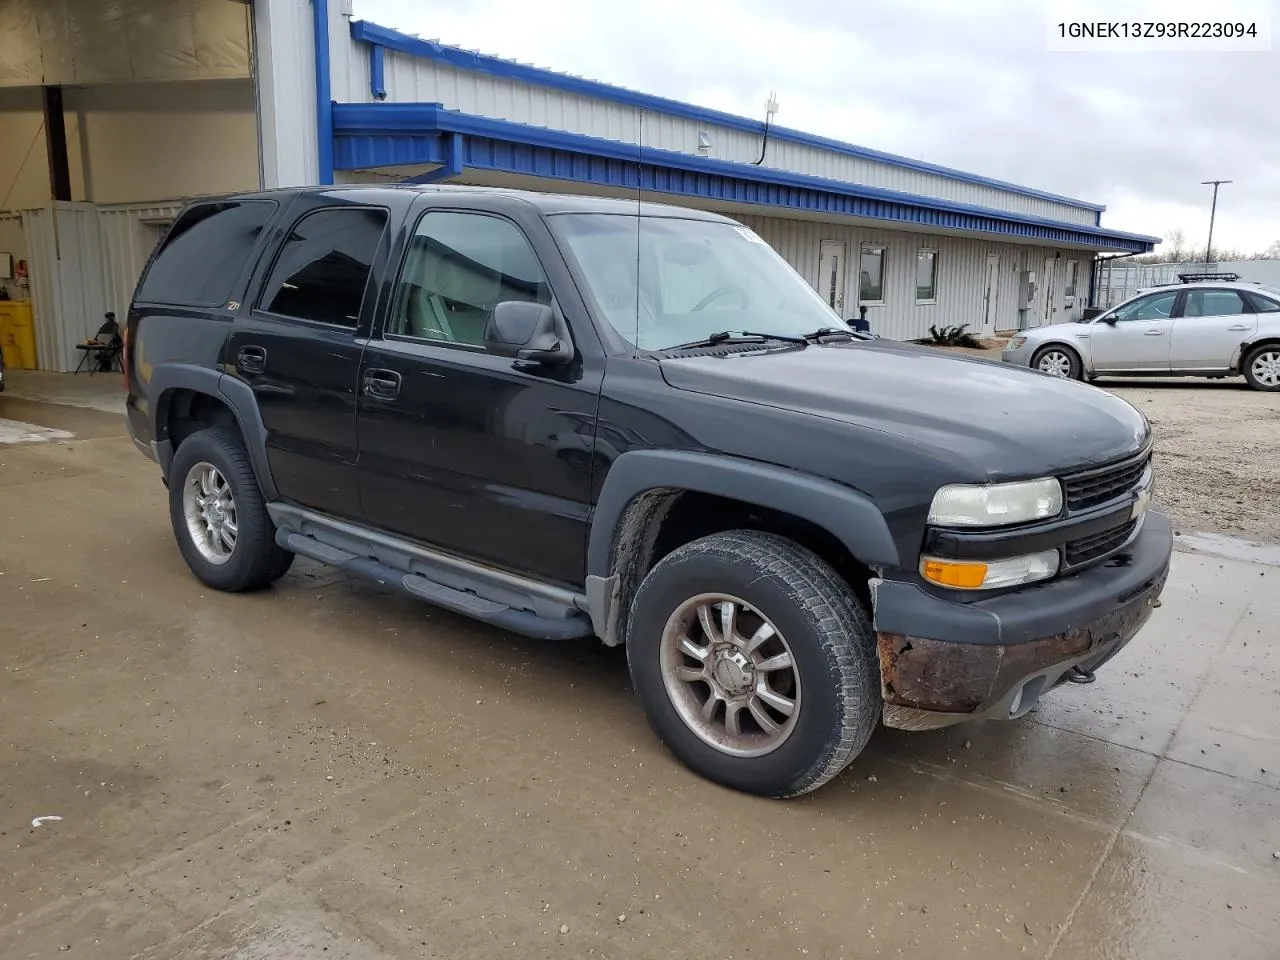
pixel 754 663
pixel 1262 367
pixel 1058 362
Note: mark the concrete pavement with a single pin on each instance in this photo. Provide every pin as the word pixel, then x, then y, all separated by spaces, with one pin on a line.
pixel 327 769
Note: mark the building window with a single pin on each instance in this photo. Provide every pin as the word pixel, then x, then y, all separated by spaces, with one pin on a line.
pixel 926 276
pixel 1069 288
pixel 871 274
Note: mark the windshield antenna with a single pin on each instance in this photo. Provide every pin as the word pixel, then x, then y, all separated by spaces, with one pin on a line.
pixel 770 108
pixel 635 340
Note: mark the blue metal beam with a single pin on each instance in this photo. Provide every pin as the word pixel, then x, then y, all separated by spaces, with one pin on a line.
pixel 393 134
pixel 452 166
pixel 377 72
pixel 324 103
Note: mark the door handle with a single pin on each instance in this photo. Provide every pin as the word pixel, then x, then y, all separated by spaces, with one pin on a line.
pixel 1154 333
pixel 382 384
pixel 1238 326
pixel 252 359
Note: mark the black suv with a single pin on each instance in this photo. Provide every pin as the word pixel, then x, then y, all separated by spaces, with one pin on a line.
pixel 572 417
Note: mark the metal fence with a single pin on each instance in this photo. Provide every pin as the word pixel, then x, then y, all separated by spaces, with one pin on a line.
pixel 1117 280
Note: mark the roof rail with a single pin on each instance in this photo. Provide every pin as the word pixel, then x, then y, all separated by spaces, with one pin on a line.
pixel 1197 277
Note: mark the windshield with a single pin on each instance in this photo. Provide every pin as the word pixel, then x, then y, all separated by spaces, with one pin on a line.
pixel 696 278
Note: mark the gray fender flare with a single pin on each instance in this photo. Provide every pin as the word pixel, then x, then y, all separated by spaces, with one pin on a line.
pixel 629 509
pixel 237 395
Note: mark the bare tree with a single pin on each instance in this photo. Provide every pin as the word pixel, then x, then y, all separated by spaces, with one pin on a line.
pixel 1176 249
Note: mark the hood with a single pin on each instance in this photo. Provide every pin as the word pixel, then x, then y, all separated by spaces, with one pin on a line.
pixel 1004 422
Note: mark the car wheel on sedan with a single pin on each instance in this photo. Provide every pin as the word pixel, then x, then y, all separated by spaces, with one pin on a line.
pixel 1262 367
pixel 1057 362
pixel 754 662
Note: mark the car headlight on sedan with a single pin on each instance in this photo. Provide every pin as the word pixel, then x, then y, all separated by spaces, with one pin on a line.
pixel 1017 343
pixel 996 504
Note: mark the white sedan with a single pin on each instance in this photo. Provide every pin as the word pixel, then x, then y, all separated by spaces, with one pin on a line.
pixel 1200 329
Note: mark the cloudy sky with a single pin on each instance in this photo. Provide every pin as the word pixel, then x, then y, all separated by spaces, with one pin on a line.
pixel 966 84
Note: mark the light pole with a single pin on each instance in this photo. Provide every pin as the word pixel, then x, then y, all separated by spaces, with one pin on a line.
pixel 1208 250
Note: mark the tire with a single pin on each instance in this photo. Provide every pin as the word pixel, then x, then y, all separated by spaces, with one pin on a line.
pixel 833 681
pixel 1055 358
pixel 248 557
pixel 1262 367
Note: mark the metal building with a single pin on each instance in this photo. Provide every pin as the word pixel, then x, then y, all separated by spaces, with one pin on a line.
pixel 279 92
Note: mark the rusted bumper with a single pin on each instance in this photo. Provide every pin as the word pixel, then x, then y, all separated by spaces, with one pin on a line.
pixel 1005 652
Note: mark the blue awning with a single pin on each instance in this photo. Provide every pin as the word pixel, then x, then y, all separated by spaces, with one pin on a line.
pixel 373 135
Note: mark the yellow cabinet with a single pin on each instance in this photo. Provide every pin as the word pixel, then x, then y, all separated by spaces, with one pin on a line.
pixel 17 334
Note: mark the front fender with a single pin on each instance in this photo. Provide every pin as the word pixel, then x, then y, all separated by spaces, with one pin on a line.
pixel 639 481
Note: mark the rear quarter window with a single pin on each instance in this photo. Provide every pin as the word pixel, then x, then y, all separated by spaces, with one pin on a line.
pixel 204 253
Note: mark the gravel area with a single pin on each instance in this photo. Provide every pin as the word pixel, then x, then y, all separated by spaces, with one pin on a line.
pixel 1217 450
pixel 1217 453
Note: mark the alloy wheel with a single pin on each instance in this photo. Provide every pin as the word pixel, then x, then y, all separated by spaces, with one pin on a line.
pixel 730 674
pixel 210 512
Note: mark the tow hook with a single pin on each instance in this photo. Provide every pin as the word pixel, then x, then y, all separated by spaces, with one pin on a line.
pixel 1081 675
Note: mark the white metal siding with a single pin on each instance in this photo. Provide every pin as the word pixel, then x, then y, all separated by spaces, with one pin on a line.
pixel 961 276
pixel 67 283
pixel 89 265
pixel 414 79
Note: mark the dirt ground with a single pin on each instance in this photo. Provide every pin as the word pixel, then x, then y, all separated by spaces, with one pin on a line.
pixel 329 770
pixel 1217 453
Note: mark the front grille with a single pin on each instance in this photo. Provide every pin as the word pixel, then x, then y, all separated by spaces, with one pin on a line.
pixel 1093 487
pixel 1099 545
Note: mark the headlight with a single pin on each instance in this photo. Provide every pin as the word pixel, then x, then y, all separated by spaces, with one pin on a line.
pixel 1017 343
pixel 979 575
pixel 996 504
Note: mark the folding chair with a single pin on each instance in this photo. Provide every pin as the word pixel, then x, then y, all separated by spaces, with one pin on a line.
pixel 102 350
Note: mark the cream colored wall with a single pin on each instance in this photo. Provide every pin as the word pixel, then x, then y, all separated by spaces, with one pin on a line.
pixel 24 164
pixel 149 141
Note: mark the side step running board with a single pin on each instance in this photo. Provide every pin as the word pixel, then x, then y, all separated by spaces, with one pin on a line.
pixel 523 622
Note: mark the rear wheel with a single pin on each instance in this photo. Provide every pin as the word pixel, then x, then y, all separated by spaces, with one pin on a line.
pixel 1057 362
pixel 754 663
pixel 219 517
pixel 1262 367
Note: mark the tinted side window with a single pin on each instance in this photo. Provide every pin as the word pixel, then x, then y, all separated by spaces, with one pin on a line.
pixel 1213 303
pixel 1156 307
pixel 323 267
pixel 458 266
pixel 204 253
pixel 1263 304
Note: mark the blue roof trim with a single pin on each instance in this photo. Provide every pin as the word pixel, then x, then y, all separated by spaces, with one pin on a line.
pixel 371 33
pixel 369 135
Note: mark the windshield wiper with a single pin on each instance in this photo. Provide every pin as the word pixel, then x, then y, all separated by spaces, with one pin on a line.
pixel 817 336
pixel 738 336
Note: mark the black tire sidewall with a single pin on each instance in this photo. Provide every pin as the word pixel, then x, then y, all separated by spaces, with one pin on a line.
pixel 1077 367
pixel 821 708
pixel 255 555
pixel 1248 368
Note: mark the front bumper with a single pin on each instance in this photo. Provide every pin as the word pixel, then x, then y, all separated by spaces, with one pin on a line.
pixel 942 662
pixel 1021 357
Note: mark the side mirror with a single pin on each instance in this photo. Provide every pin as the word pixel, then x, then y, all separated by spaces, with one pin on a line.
pixel 1109 321
pixel 529 332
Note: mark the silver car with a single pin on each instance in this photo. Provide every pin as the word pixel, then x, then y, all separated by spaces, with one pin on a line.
pixel 1199 329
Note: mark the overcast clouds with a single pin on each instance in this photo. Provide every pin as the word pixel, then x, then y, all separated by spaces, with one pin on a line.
pixel 969 85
